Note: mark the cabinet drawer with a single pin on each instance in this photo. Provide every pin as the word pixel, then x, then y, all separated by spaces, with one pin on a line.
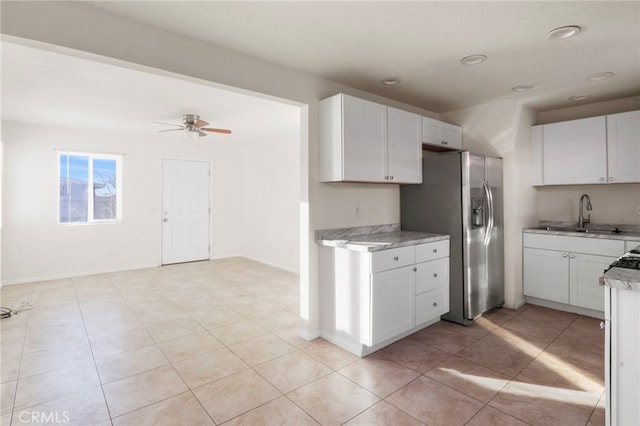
pixel 431 275
pixel 431 251
pixel 392 258
pixel 432 304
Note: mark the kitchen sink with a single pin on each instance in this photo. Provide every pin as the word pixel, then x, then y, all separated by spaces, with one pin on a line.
pixel 607 231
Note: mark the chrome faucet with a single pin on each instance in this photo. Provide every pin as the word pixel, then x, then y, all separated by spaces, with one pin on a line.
pixel 581 219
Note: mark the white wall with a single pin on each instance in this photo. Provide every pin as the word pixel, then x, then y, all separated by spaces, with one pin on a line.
pixel 77 25
pixel 1 192
pixel 503 129
pixel 612 204
pixel 35 247
pixel 270 196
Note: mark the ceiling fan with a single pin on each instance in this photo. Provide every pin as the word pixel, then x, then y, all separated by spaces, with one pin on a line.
pixel 192 125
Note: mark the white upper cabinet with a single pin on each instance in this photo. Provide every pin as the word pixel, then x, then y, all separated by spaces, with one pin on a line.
pixel 404 151
pixel 575 151
pixel 364 125
pixel 597 150
pixel 441 134
pixel 623 138
pixel 363 141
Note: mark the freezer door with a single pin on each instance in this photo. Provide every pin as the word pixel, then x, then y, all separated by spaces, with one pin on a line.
pixel 495 248
pixel 475 224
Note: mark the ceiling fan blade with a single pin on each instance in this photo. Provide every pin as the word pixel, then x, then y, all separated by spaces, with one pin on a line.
pixel 201 123
pixel 209 129
pixel 168 124
pixel 171 130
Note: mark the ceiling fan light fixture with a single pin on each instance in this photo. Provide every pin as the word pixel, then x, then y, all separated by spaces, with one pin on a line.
pixel 522 88
pixel 473 59
pixel 191 134
pixel 578 98
pixel 563 32
pixel 599 76
pixel 391 81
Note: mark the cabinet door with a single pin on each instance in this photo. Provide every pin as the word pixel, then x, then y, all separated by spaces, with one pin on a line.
pixel 404 147
pixel 584 274
pixel 392 304
pixel 431 131
pixel 435 132
pixel 364 140
pixel 451 136
pixel 575 152
pixel 623 147
pixel 546 274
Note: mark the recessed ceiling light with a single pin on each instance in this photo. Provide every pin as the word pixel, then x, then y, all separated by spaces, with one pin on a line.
pixel 600 76
pixel 391 81
pixel 473 59
pixel 522 88
pixel 563 32
pixel 579 98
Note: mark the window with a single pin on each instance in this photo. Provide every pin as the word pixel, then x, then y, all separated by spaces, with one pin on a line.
pixel 89 187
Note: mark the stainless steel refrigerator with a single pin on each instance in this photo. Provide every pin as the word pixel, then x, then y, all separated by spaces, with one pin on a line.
pixel 461 195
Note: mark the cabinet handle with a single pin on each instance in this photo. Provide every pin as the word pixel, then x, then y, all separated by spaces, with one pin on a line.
pixel 435 275
pixel 603 325
pixel 390 177
pixel 415 269
pixel 573 256
pixel 601 179
pixel 611 179
pixel 395 258
pixel 445 143
pixel 435 303
pixel 386 178
pixel 565 255
pixel 435 250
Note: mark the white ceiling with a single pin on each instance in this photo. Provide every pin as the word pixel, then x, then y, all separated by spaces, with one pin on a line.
pixel 50 88
pixel 355 43
pixel 360 42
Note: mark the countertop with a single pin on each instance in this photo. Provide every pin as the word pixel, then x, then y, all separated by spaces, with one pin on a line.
pixel 602 230
pixel 622 278
pixel 373 238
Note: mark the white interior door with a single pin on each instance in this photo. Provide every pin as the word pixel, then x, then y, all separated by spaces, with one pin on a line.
pixel 185 210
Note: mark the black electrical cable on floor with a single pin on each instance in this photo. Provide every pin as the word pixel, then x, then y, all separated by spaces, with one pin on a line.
pixel 5 312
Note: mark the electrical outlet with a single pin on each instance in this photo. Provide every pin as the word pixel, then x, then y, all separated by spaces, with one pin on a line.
pixel 356 211
pixel 637 210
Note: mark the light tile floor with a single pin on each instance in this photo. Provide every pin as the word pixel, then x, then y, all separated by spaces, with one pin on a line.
pixel 216 343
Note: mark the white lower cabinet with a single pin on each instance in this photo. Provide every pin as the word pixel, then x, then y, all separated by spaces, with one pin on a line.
pixel 566 270
pixel 369 300
pixel 392 304
pixel 622 356
pixel 584 274
pixel 546 274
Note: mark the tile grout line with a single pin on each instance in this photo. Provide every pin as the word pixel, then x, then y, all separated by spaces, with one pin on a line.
pixel 93 357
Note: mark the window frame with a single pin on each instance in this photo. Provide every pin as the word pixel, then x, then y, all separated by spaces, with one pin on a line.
pixel 91 156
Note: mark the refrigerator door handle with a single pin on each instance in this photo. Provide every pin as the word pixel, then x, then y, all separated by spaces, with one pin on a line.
pixel 489 197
